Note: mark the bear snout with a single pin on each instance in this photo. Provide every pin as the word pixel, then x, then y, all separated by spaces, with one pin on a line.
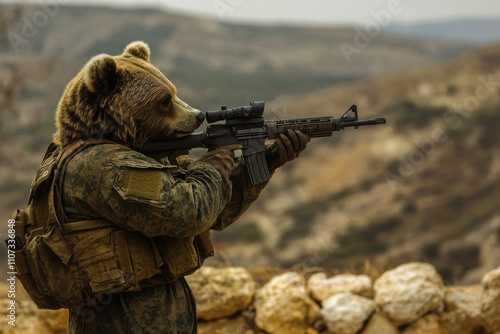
pixel 188 118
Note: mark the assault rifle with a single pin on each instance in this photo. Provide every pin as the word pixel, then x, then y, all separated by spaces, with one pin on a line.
pixel 246 126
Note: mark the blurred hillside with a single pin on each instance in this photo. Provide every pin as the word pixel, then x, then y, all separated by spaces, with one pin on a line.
pixel 213 62
pixel 481 31
pixel 333 206
pixel 424 187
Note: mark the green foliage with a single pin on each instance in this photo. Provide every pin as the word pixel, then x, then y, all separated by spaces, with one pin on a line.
pixel 469 255
pixel 368 240
pixel 305 214
pixel 408 114
pixel 303 217
pixel 490 124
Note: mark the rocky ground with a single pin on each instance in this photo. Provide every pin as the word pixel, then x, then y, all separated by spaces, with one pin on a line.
pixel 409 299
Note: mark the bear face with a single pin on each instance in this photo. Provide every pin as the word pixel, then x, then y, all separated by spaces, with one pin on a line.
pixel 124 99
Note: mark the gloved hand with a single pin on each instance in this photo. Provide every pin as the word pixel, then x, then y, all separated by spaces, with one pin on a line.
pixel 286 148
pixel 222 159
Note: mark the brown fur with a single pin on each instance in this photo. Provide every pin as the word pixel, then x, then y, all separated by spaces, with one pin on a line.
pixel 124 99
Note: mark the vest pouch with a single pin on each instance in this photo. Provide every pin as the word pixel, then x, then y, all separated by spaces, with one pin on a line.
pixel 204 250
pixel 23 274
pixel 100 260
pixel 180 255
pixel 144 256
pixel 205 245
pixel 43 268
pixel 112 260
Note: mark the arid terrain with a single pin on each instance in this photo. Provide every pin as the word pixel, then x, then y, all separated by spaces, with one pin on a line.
pixel 423 187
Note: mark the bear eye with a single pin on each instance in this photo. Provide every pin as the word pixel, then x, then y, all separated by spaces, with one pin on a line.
pixel 165 103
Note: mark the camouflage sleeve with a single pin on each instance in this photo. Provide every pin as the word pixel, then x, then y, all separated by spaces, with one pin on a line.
pixel 138 193
pixel 243 195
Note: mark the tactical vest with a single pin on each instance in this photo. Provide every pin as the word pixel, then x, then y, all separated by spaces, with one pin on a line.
pixel 65 264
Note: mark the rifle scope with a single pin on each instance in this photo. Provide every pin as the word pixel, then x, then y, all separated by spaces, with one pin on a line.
pixel 254 110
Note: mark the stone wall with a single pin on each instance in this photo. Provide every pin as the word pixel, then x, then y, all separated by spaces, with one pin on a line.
pixel 410 299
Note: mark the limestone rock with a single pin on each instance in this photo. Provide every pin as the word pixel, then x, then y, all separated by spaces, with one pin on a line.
pixel 320 287
pixel 427 325
pixel 463 309
pixel 221 292
pixel 378 324
pixel 345 313
pixel 466 299
pixel 282 306
pixel 408 292
pixel 490 304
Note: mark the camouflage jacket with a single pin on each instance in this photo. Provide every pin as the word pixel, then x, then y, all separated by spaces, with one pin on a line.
pixel 173 203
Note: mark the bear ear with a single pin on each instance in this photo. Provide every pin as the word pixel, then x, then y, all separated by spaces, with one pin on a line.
pixel 139 50
pixel 100 74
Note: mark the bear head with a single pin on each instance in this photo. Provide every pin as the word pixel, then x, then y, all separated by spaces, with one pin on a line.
pixel 124 99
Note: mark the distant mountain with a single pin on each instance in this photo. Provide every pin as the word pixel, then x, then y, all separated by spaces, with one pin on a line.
pixel 467 30
pixel 220 63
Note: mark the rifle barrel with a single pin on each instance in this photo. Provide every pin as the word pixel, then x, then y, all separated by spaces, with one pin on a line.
pixel 369 121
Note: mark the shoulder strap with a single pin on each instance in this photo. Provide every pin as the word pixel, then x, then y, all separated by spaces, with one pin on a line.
pixel 44 171
pixel 56 208
pixel 83 225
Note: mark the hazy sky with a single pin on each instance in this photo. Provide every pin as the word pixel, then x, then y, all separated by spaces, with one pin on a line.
pixel 316 11
pixel 339 11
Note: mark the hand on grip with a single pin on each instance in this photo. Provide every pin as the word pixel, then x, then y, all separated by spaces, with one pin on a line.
pixel 286 148
pixel 222 159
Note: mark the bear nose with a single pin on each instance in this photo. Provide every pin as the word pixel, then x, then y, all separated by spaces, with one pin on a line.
pixel 201 117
